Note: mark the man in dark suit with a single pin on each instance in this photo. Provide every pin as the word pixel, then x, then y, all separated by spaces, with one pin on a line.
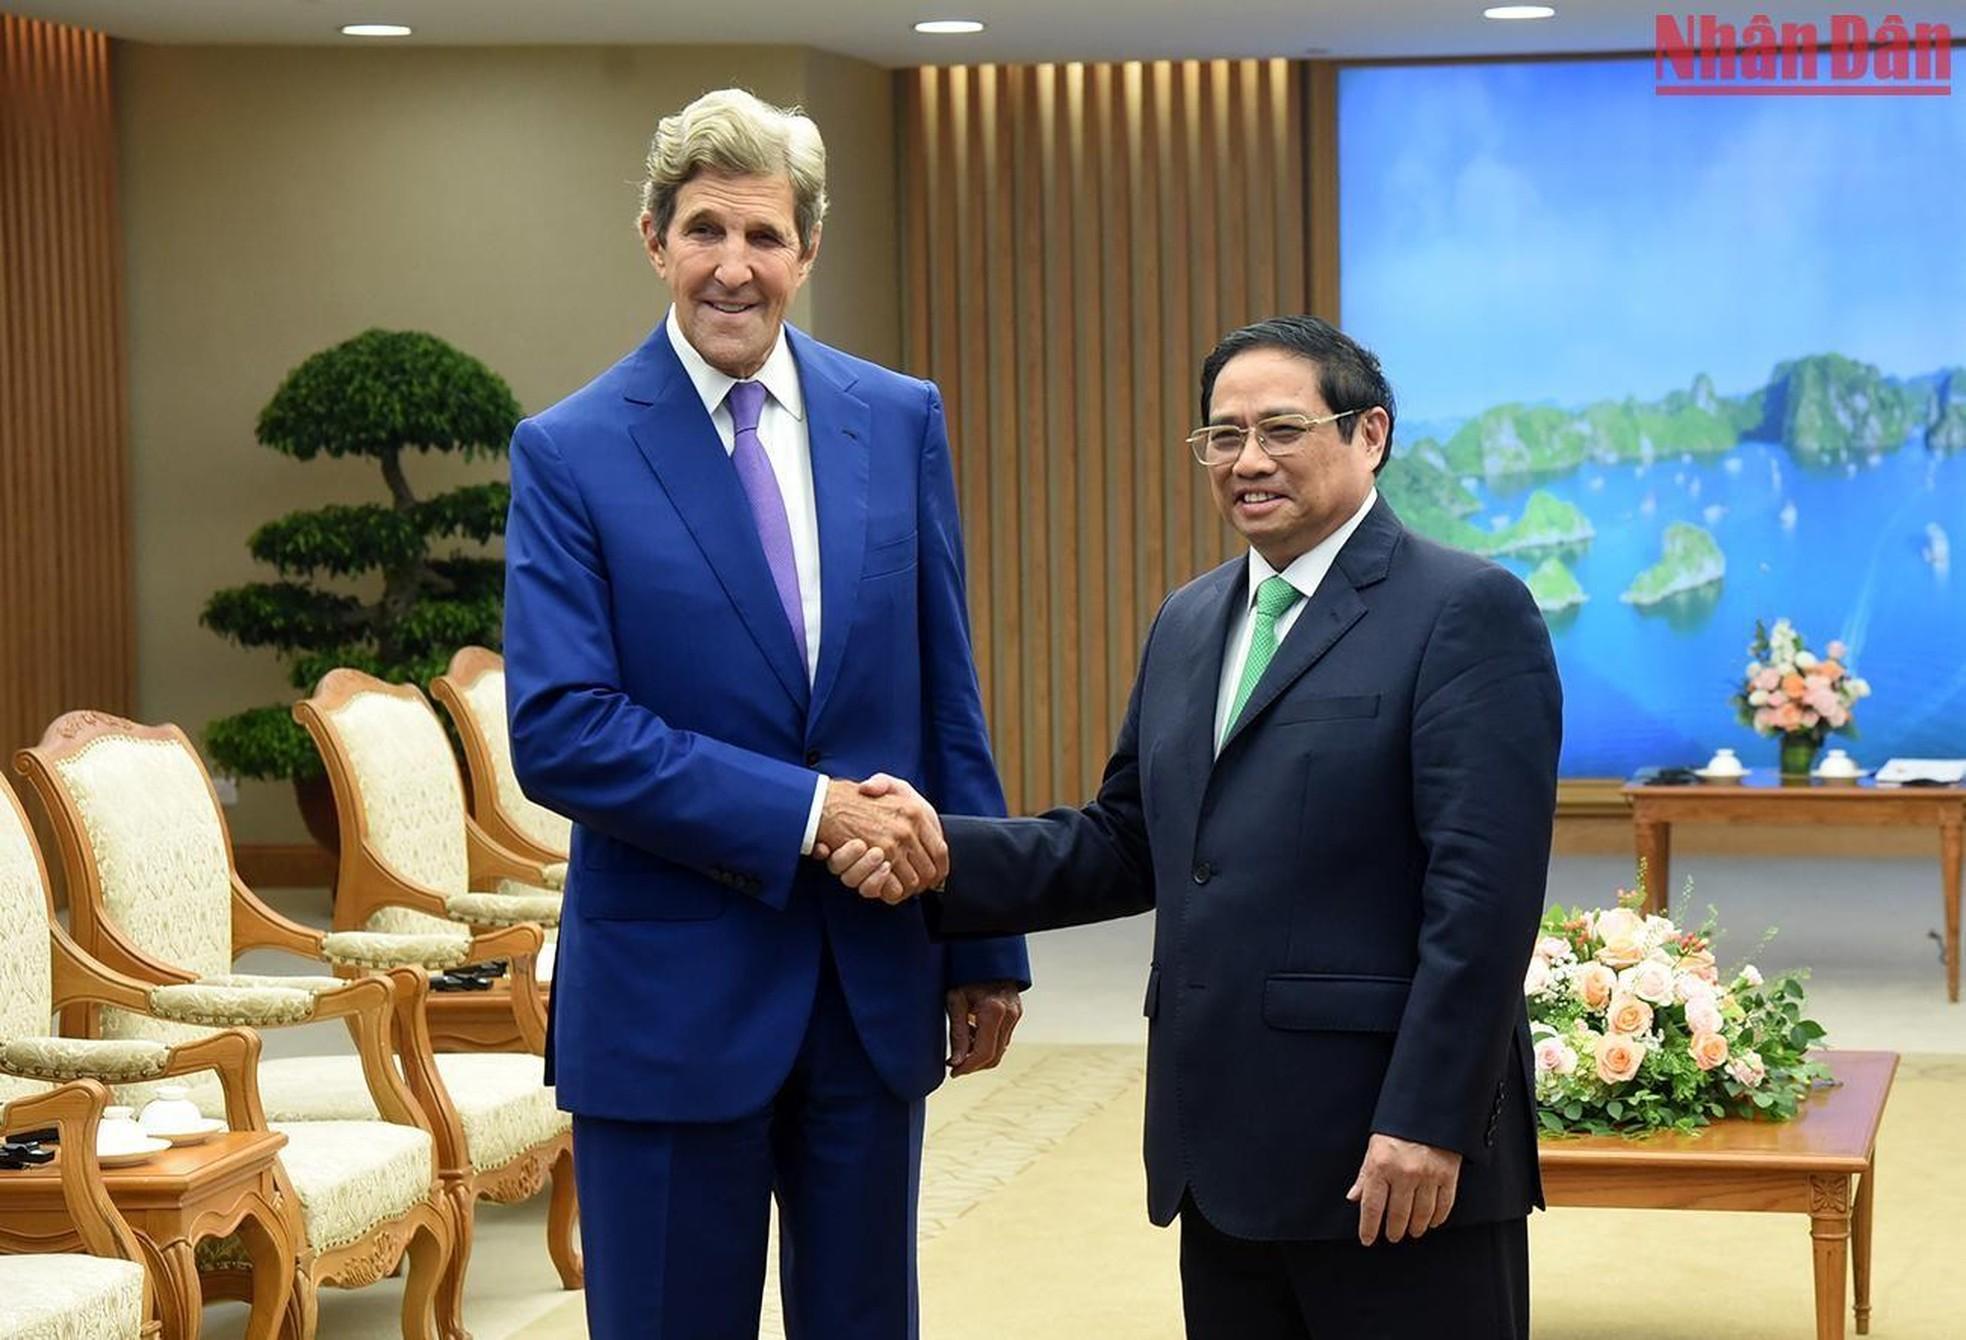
pixel 1335 786
pixel 735 580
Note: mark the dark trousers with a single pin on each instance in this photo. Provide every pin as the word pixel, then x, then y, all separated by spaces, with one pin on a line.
pixel 1469 1283
pixel 674 1216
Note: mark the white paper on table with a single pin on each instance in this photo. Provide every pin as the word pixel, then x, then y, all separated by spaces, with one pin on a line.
pixel 1949 771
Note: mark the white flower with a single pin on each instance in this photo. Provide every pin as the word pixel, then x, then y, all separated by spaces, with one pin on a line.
pixel 1754 668
pixel 1758 698
pixel 1554 949
pixel 1650 981
pixel 1703 1015
pixel 1746 1068
pixel 1805 660
pixel 1750 976
pixel 1538 978
pixel 1687 987
pixel 1555 1056
pixel 1658 931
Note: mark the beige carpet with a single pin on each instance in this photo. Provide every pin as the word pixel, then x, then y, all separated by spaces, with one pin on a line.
pixel 1033 1225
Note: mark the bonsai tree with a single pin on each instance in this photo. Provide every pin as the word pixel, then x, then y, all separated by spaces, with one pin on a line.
pixel 378 395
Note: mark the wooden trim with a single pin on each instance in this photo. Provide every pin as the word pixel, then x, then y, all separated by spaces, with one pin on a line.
pixel 1321 189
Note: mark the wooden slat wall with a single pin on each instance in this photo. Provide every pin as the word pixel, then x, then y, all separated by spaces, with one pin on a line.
pixel 66 611
pixel 1075 239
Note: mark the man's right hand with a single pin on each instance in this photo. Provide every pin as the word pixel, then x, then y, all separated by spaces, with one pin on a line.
pixel 882 838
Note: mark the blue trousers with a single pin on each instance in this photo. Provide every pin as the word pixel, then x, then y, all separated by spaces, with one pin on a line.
pixel 674 1216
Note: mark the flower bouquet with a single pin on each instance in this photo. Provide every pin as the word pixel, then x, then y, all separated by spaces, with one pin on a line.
pixel 1636 1030
pixel 1791 692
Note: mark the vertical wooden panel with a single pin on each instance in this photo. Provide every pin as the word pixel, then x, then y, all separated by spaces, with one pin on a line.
pixel 1078 237
pixel 67 633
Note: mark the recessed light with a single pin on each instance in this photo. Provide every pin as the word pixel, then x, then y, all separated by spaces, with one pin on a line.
pixel 1519 12
pixel 949 26
pixel 374 30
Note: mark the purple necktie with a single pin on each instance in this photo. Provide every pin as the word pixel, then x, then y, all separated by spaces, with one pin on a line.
pixel 747 401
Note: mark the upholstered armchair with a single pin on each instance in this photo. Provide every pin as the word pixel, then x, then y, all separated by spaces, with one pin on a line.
pixel 472 691
pixel 499 1134
pixel 47 1287
pixel 413 861
pixel 364 1192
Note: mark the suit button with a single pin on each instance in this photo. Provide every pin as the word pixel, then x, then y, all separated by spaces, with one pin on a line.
pixel 812 758
pixel 1203 872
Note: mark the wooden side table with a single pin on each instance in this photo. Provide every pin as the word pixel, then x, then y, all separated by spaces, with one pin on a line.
pixel 1803 1166
pixel 1763 799
pixel 176 1199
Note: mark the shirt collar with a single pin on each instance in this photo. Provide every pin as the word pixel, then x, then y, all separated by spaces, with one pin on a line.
pixel 780 374
pixel 1306 571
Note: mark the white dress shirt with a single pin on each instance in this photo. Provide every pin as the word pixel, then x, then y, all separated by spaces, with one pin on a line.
pixel 1306 572
pixel 782 433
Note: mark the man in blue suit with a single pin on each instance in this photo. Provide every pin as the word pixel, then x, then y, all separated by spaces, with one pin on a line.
pixel 735 586
pixel 1334 786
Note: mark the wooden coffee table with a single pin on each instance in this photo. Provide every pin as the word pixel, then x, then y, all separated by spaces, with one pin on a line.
pixel 174 1200
pixel 1803 1166
pixel 1764 799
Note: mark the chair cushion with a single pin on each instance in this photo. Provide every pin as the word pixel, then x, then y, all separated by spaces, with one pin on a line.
pixel 382 949
pixel 352 1175
pixel 502 1100
pixel 68 1297
pixel 111 1060
pixel 220 1005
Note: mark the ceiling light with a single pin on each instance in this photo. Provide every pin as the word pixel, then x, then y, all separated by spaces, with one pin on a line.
pixel 1519 12
pixel 949 26
pixel 374 30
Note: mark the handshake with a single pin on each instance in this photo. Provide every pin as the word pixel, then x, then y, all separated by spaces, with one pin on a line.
pixel 881 838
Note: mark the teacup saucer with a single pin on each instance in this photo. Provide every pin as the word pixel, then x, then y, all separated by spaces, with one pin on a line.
pixel 1840 779
pixel 123 1158
pixel 194 1135
pixel 1720 778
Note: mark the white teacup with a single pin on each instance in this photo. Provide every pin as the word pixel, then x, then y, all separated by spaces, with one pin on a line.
pixel 1724 764
pixel 118 1132
pixel 171 1112
pixel 1836 763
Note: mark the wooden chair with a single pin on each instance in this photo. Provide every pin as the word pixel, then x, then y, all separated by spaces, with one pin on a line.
pixel 367 1192
pixel 47 1288
pixel 412 860
pixel 499 1132
pixel 472 691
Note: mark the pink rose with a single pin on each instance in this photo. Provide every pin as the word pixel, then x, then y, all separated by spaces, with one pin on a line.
pixel 1627 1015
pixel 1709 1050
pixel 1703 1016
pixel 1618 1058
pixel 1699 963
pixel 1552 948
pixel 1836 651
pixel 1686 987
pixel 1750 976
pixel 1554 1056
pixel 1593 984
pixel 1649 980
pixel 1536 978
pixel 1768 680
pixel 1747 1069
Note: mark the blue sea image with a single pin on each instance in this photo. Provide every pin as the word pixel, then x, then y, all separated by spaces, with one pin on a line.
pixel 1866 551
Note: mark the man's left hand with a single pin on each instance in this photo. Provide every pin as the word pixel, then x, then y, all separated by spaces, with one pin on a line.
pixel 1408 1185
pixel 982 1017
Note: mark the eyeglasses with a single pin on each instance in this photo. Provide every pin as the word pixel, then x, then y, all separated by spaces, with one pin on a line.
pixel 1282 435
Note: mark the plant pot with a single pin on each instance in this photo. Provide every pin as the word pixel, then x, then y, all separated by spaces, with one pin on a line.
pixel 315 796
pixel 1799 752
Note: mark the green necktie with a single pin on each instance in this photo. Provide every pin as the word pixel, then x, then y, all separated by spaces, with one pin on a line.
pixel 1273 597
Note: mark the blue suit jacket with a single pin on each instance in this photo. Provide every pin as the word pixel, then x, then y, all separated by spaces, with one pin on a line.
pixel 657 698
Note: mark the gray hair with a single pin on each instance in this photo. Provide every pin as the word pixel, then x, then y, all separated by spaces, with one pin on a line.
pixel 733 131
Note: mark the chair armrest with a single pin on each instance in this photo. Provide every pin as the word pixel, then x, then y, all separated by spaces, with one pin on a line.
pixel 512 904
pixel 381 950
pixel 219 1004
pixel 491 860
pixel 368 1005
pixel 553 875
pixel 257 926
pixel 104 1060
pixel 75 1110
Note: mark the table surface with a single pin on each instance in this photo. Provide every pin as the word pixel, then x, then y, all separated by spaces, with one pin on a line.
pixel 185 1168
pixel 1767 783
pixel 1834 1132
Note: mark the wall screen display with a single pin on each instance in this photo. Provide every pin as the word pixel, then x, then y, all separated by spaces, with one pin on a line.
pixel 1682 364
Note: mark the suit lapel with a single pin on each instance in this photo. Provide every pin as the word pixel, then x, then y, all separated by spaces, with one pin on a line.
pixel 676 437
pixel 1201 641
pixel 837 424
pixel 1331 613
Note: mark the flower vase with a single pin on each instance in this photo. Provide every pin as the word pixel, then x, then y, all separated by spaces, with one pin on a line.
pixel 1799 751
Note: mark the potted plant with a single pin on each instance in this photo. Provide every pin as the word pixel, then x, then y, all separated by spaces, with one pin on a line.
pixel 378 395
pixel 1791 692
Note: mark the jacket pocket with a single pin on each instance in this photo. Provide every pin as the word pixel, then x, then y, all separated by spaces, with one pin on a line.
pixel 895 555
pixel 1325 709
pixel 1334 1003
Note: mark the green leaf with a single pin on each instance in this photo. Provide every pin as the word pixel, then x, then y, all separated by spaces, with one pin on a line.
pixel 385 391
pixel 476 511
pixel 339 540
pixel 281 614
pixel 263 743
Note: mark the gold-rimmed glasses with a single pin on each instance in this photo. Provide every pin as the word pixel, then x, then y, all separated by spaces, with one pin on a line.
pixel 1278 435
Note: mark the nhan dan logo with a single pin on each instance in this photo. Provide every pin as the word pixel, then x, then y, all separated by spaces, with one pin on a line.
pixel 1703 55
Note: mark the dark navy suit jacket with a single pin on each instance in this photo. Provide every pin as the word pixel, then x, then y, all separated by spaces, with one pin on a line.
pixel 658 699
pixel 1346 896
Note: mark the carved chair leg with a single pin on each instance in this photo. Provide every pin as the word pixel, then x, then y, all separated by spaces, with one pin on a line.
pixel 429 1249
pixel 562 1220
pixel 303 1314
pixel 272 1255
pixel 462 1205
pixel 180 1296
